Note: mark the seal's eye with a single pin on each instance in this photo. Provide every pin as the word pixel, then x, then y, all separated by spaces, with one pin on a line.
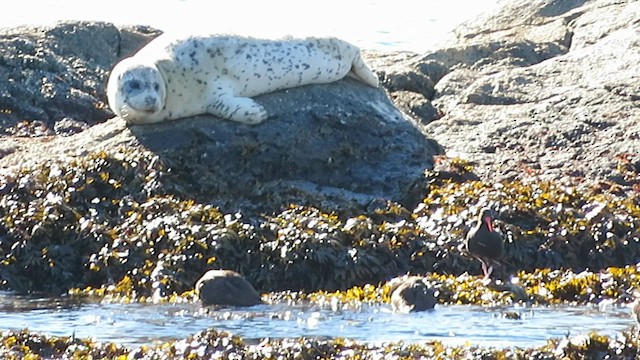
pixel 156 86
pixel 134 85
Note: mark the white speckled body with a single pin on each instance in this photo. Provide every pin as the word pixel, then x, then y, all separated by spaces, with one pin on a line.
pixel 218 74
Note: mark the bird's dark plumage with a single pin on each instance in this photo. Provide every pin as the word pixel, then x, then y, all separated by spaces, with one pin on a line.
pixel 484 242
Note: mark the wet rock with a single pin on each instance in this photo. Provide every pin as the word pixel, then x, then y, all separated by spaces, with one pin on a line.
pixel 411 294
pixel 226 287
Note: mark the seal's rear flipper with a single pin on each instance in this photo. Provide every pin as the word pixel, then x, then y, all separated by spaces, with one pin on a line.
pixel 361 72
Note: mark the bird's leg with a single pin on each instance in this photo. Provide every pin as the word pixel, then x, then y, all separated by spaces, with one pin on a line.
pixel 489 271
pixel 484 269
pixel 486 280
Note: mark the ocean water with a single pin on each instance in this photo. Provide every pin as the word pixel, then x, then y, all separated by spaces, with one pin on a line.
pixel 134 325
pixel 412 25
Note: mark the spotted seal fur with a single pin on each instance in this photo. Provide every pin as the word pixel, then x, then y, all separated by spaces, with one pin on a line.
pixel 218 74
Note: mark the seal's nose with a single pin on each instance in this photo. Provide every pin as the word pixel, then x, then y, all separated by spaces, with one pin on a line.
pixel 150 102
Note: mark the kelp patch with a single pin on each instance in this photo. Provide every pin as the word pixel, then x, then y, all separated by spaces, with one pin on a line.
pixel 219 344
pixel 119 223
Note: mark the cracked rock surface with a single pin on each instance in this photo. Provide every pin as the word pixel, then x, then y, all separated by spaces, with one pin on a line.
pixel 545 90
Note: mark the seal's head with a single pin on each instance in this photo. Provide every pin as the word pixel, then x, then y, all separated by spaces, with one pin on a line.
pixel 136 92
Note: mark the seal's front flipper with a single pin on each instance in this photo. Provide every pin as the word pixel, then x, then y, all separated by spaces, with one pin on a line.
pixel 240 109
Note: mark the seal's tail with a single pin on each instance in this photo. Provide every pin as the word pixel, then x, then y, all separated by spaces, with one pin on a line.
pixel 362 72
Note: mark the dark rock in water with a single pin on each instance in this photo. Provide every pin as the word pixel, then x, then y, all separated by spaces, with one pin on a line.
pixel 226 287
pixel 411 294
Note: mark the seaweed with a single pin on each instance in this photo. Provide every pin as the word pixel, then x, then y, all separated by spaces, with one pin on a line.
pixel 212 343
pixel 116 223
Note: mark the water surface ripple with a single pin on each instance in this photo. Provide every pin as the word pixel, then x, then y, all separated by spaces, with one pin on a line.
pixel 145 324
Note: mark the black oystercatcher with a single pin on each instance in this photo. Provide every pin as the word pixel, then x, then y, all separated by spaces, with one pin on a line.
pixel 411 295
pixel 226 287
pixel 484 242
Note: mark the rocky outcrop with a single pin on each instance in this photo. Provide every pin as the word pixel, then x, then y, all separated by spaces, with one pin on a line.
pixel 543 90
pixel 336 145
pixel 52 79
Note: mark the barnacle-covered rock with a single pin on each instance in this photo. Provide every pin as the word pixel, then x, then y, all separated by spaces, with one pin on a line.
pixel 516 100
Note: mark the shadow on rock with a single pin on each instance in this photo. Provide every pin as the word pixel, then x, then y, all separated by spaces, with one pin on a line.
pixel 337 146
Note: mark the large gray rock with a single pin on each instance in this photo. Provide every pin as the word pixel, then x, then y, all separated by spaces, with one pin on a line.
pixel 323 144
pixel 54 77
pixel 543 89
pixel 336 145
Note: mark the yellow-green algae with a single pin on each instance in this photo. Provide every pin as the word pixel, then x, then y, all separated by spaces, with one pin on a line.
pixel 121 226
pixel 118 221
pixel 211 343
pixel 543 287
pixel 539 288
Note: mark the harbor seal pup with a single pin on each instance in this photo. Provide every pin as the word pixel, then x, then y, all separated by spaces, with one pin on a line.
pixel 218 74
